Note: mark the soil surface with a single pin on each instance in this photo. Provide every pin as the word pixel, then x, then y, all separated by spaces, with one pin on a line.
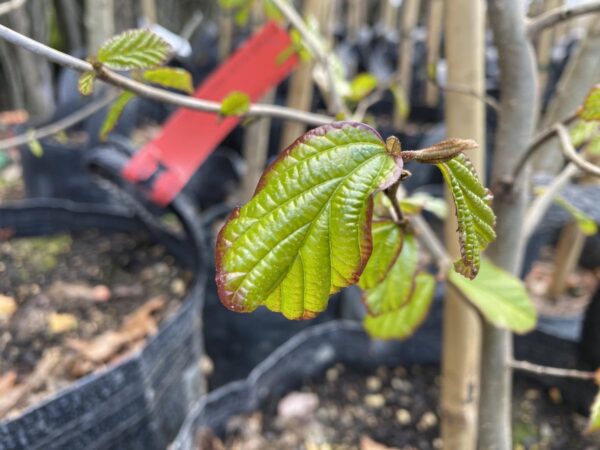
pixel 390 409
pixel 73 304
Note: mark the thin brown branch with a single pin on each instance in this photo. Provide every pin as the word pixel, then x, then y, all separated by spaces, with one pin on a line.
pixel 556 15
pixel 59 125
pixel 433 245
pixel 526 366
pixel 537 141
pixel 161 95
pixel 466 90
pixel 10 5
pixel 571 154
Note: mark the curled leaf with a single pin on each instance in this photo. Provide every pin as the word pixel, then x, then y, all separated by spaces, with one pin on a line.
pixel 170 77
pixel 402 322
pixel 476 219
pixel 306 233
pixel 134 49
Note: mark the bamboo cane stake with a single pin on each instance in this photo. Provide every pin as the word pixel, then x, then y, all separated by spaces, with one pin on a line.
pixel 465 117
pixel 434 36
pixel 545 43
pixel 389 10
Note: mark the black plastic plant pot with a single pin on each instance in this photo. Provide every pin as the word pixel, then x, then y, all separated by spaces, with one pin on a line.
pixel 307 354
pixel 140 402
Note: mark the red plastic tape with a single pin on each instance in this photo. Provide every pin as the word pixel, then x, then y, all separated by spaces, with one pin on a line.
pixel 189 136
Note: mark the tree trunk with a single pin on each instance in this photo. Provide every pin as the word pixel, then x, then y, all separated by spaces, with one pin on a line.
pixel 465 118
pixel 515 129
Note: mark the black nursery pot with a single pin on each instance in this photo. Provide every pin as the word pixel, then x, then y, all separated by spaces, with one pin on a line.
pixel 307 354
pixel 141 402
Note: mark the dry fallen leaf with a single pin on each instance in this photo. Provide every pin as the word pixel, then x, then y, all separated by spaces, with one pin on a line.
pixel 136 326
pixel 59 323
pixel 8 306
pixel 366 443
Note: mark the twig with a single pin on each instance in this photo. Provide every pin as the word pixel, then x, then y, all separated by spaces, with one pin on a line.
pixel 560 14
pixel 392 194
pixel 59 125
pixel 466 90
pixel 552 371
pixel 162 95
pixel 537 141
pixel 316 47
pixel 10 6
pixel 571 154
pixel 430 240
pixel 540 205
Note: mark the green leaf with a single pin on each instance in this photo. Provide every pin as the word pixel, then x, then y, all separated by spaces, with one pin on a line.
pixel 476 219
pixel 361 86
pixel 387 243
pixel 395 289
pixel 170 77
pixel 115 111
pixel 232 4
pixel 401 323
pixel 586 224
pixel 501 297
pixel 420 201
pixel 594 422
pixel 34 145
pixel 272 11
pixel 242 15
pixel 401 103
pixel 134 49
pixel 235 104
pixel 306 233
pixel 591 106
pixel 582 132
pixel 86 83
pixel 593 148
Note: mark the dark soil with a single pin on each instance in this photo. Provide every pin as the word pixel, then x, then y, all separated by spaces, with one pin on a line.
pixel 71 305
pixel 389 409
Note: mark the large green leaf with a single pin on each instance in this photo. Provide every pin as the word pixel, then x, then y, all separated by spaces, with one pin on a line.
pixel 499 296
pixel 591 106
pixel 306 233
pixel 396 288
pixel 387 243
pixel 115 111
pixel 134 49
pixel 475 216
pixel 594 423
pixel 402 322
pixel 170 77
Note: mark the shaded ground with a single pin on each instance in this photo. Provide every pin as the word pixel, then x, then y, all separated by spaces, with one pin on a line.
pixel 389 409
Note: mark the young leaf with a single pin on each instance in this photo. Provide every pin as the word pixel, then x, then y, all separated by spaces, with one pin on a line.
pixel 499 296
pixel 272 11
pixel 395 289
pixel 387 243
pixel 86 83
pixel 235 104
pixel 401 103
pixel 134 49
pixel 476 219
pixel 170 77
pixel 586 224
pixel 306 233
pixel 420 201
pixel 361 86
pixel 582 132
pixel 591 106
pixel 593 148
pixel 401 323
pixel 594 422
pixel 115 111
pixel 34 145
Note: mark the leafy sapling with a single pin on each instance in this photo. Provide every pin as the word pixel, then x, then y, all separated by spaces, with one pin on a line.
pixel 326 215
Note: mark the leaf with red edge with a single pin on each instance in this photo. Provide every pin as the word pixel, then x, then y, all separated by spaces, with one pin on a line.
pixel 306 233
